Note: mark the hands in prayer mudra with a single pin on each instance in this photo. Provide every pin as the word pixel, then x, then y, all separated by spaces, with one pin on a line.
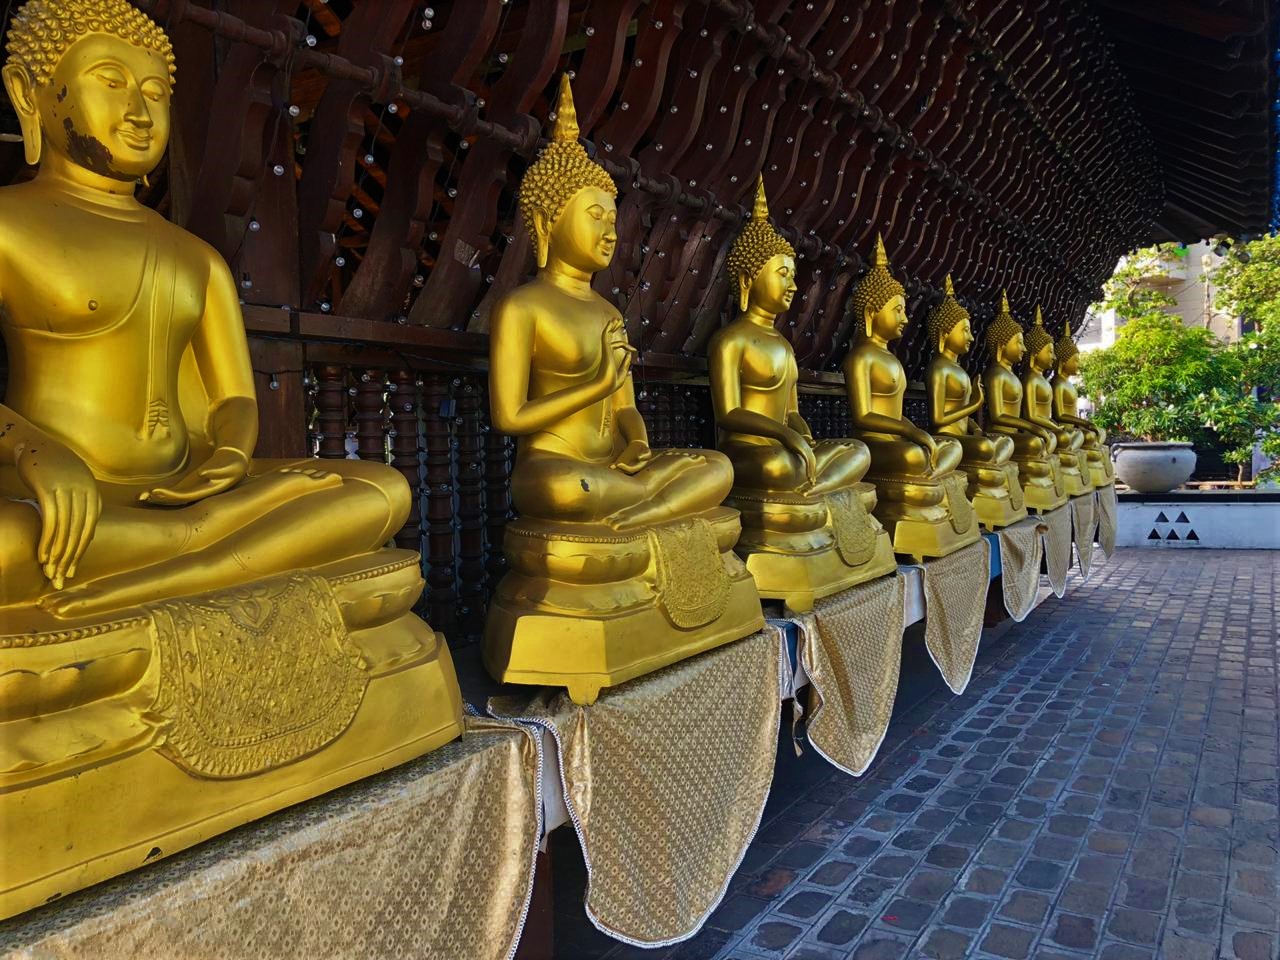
pixel 622 560
pixel 143 551
pixel 806 530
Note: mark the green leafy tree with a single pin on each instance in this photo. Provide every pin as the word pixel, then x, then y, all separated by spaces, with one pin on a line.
pixel 1249 285
pixel 1147 384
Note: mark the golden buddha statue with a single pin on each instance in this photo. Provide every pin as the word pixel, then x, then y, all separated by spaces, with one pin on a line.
pixel 922 498
pixel 1037 407
pixel 1065 405
pixel 622 560
pixel 1033 444
pixel 189 638
pixel 806 532
pixel 993 480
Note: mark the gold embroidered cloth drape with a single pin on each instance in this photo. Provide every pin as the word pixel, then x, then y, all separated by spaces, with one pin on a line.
pixel 1021 549
pixel 955 599
pixel 665 779
pixel 1107 519
pixel 851 648
pixel 431 859
pixel 1083 526
pixel 1057 547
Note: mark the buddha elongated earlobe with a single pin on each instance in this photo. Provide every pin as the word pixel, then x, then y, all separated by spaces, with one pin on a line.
pixel 744 293
pixel 541 238
pixel 18 82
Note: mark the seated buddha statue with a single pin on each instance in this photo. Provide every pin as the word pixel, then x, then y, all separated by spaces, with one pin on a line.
pixel 806 530
pixel 1033 444
pixel 190 637
pixel 1065 410
pixel 622 560
pixel 921 495
pixel 1037 407
pixel 953 403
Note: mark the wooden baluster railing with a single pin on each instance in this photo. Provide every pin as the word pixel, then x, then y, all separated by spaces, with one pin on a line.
pixel 402 398
pixel 498 452
pixel 331 411
pixel 469 447
pixel 437 412
pixel 371 441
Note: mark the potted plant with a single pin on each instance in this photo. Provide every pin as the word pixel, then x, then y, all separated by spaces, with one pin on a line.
pixel 1147 386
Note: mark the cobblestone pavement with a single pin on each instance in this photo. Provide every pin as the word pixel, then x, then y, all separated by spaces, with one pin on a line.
pixel 1106 787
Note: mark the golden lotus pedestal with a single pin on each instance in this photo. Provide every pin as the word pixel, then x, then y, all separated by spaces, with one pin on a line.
pixel 997 495
pixel 926 517
pixel 126 739
pixel 585 606
pixel 800 549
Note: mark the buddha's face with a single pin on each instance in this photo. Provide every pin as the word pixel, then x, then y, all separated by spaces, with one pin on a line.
pixel 1043 359
pixel 585 234
pixel 889 321
pixel 1070 366
pixel 1014 349
pixel 774 285
pixel 107 107
pixel 959 338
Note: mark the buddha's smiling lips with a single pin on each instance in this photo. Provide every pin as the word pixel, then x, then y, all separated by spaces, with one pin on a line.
pixel 139 141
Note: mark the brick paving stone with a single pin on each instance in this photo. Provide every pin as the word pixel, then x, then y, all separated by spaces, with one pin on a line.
pixel 1108 787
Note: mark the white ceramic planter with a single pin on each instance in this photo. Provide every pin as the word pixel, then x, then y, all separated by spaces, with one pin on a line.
pixel 1154 467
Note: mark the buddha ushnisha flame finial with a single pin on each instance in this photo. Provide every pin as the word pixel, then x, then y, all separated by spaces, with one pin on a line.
pixel 946 314
pixel 1038 337
pixel 758 243
pixel 877 286
pixel 1003 328
pixel 561 170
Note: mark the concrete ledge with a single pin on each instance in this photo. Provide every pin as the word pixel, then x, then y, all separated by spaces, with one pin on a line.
pixel 1226 521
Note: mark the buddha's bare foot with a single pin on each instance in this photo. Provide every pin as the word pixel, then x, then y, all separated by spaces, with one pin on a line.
pixel 292 482
pixel 87 599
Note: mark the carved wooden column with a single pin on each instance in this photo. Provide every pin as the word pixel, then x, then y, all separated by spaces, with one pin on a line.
pixel 441 569
pixel 331 411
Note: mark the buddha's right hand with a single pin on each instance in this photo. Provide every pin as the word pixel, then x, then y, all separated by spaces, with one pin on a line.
pixel 616 355
pixel 69 502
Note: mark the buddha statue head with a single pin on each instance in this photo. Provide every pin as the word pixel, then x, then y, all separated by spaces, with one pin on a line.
pixel 878 300
pixel 1004 336
pixel 1039 344
pixel 90 81
pixel 949 326
pixel 761 263
pixel 1068 355
pixel 567 200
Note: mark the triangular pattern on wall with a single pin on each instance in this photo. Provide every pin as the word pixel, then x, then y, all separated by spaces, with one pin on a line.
pixel 1153 535
pixel 1173 535
pixel 1191 535
pixel 1161 518
pixel 1182 518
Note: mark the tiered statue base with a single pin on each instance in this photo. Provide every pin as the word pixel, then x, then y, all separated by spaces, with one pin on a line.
pixel 1042 484
pixel 1101 470
pixel 802 548
pixel 996 493
pixel 926 517
pixel 130 737
pixel 1076 482
pixel 596 607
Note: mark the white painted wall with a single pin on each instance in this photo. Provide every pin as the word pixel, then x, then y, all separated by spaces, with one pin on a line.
pixel 1215 526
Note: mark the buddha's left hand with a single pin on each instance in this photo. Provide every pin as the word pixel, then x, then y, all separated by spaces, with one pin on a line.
pixel 633 458
pixel 222 471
